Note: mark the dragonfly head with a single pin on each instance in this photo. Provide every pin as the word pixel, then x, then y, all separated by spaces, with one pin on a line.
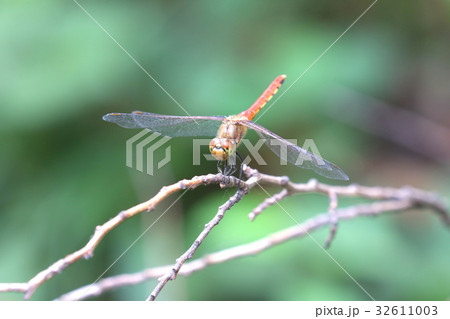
pixel 222 148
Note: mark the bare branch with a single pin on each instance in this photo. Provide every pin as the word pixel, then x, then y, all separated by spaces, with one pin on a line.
pixel 417 196
pixel 386 199
pixel 245 250
pixel 100 231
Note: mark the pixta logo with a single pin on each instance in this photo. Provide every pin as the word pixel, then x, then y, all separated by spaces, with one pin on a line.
pixel 286 152
pixel 142 146
pixel 140 150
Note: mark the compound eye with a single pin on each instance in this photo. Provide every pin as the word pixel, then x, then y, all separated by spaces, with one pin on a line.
pixel 226 144
pixel 220 154
pixel 218 150
pixel 229 146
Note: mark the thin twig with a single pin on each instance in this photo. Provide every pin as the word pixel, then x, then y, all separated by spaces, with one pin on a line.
pixel 172 273
pixel 333 218
pixel 267 203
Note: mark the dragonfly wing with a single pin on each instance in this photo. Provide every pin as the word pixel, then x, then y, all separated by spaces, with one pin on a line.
pixel 296 155
pixel 168 125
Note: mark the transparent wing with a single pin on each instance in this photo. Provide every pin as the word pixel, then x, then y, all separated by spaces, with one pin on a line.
pixel 168 125
pixel 295 154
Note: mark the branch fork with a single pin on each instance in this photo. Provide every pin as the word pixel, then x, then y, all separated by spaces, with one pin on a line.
pixel 384 199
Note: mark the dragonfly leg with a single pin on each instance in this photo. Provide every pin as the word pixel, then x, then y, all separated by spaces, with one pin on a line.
pixel 219 169
pixel 228 168
pixel 241 166
pixel 231 163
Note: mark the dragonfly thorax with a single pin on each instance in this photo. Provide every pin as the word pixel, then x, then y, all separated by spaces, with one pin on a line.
pixel 228 138
pixel 222 148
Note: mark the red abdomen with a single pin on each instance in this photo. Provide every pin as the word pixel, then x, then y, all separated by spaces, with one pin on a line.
pixel 263 99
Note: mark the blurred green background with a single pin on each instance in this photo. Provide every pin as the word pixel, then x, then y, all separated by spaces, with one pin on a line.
pixel 376 104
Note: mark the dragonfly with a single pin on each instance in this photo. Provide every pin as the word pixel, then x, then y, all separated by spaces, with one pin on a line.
pixel 229 131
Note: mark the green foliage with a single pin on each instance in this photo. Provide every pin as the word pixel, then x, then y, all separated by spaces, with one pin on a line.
pixel 62 169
